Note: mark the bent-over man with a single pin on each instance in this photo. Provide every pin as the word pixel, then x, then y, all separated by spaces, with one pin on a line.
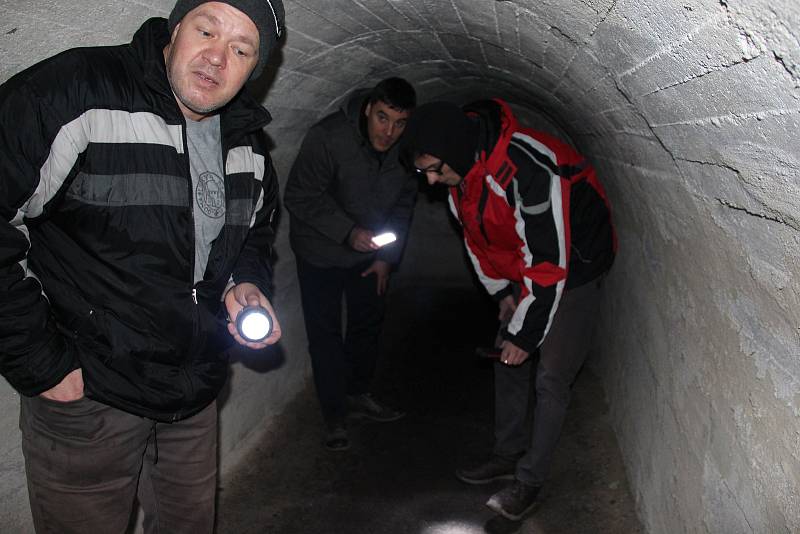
pixel 538 231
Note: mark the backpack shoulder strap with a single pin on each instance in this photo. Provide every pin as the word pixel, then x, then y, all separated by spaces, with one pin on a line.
pixel 498 164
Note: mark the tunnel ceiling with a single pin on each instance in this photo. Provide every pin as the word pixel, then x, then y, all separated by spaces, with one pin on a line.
pixel 659 87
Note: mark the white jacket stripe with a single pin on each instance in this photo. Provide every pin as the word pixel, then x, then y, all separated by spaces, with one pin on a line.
pixel 555 201
pixel 93 126
pixel 243 159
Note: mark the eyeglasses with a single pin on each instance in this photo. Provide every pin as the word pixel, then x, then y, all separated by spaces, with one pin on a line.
pixel 435 169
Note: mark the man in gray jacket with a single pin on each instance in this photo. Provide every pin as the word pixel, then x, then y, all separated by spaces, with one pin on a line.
pixel 346 187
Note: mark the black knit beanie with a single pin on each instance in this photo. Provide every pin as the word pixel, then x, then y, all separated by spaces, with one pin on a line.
pixel 268 16
pixel 441 129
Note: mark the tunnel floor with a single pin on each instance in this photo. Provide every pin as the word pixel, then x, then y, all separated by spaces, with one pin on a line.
pixel 398 477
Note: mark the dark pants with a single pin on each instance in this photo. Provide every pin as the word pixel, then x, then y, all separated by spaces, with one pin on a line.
pixel 561 356
pixel 343 364
pixel 87 462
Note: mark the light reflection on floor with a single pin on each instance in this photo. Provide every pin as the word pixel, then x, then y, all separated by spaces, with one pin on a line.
pixel 453 527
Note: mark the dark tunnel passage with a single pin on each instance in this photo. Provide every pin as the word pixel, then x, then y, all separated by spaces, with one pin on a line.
pixel 398 477
pixel 687 417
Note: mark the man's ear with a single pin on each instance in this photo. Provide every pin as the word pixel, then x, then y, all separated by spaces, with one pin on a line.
pixel 174 32
pixel 168 46
pixel 367 109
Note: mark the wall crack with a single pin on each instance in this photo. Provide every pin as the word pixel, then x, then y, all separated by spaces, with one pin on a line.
pixel 739 506
pixel 787 68
pixel 559 31
pixel 773 218
pixel 658 139
pixel 712 163
pixel 693 77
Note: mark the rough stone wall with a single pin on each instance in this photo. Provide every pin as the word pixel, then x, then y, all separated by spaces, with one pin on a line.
pixel 704 382
pixel 689 109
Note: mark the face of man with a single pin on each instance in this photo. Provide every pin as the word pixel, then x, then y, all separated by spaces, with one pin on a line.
pixel 384 125
pixel 210 56
pixel 436 171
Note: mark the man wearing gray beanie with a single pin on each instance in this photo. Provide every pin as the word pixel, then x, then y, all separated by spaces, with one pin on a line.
pixel 137 209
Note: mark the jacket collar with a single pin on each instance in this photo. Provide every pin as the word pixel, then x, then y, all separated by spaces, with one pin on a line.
pixel 239 117
pixel 353 109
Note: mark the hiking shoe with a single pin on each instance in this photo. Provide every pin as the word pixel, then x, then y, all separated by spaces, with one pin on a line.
pixel 336 438
pixel 515 500
pixel 365 405
pixel 495 468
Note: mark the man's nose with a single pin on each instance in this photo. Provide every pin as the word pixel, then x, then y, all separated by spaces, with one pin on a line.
pixel 432 178
pixel 215 54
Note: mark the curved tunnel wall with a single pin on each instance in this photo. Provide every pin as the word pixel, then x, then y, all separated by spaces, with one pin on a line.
pixel 689 110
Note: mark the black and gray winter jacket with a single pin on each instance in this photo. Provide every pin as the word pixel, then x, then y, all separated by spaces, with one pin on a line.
pixel 337 182
pixel 96 262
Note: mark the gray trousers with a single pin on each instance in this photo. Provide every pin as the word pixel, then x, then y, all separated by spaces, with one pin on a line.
pixel 561 356
pixel 86 463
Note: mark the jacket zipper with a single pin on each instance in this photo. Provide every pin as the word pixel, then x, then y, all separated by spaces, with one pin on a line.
pixel 195 328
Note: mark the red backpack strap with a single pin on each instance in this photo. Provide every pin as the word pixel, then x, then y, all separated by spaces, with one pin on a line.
pixel 573 173
pixel 498 164
pixel 505 172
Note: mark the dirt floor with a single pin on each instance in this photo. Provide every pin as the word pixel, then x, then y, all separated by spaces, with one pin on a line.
pixel 398 477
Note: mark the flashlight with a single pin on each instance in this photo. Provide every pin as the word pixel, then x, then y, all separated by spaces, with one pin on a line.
pixel 488 352
pixel 384 238
pixel 254 323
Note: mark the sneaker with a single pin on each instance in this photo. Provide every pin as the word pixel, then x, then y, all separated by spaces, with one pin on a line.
pixel 336 438
pixel 515 500
pixel 365 405
pixel 495 468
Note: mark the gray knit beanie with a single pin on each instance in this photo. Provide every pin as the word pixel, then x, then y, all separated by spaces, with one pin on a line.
pixel 268 16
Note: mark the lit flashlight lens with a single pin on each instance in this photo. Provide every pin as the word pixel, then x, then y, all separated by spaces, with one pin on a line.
pixel 384 238
pixel 254 323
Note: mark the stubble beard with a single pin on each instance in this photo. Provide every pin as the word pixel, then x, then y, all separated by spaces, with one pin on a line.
pixel 180 95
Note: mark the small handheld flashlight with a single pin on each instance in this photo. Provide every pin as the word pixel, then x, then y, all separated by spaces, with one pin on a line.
pixel 254 323
pixel 384 238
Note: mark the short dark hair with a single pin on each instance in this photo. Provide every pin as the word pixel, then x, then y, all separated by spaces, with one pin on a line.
pixel 396 92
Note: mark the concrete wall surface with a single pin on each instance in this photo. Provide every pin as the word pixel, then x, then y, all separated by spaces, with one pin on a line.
pixel 690 112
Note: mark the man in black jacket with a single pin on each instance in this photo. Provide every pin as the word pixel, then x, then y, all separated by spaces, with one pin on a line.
pixel 345 188
pixel 136 210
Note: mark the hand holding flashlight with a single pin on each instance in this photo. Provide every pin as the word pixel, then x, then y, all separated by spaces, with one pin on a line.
pixel 511 354
pixel 250 311
pixel 384 239
pixel 360 239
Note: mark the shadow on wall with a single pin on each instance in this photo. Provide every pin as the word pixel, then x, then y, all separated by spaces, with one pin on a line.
pixel 257 361
pixel 259 87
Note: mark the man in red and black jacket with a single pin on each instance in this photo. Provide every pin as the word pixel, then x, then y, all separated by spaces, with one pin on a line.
pixel 538 230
